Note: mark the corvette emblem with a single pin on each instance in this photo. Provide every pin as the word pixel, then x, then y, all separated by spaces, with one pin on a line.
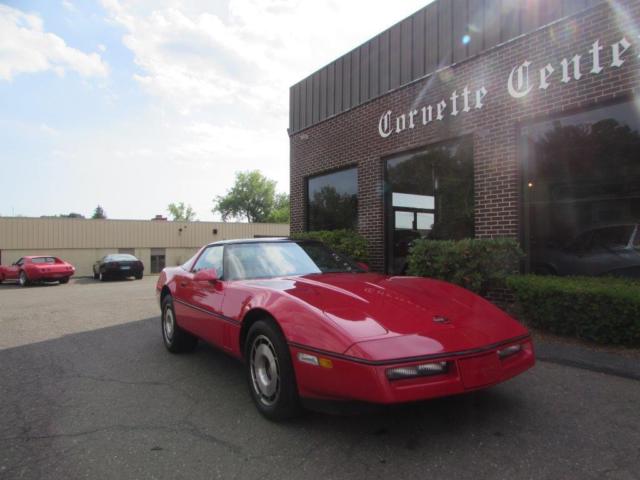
pixel 440 319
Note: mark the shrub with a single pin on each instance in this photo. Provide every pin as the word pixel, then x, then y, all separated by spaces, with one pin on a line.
pixel 475 264
pixel 348 242
pixel 604 310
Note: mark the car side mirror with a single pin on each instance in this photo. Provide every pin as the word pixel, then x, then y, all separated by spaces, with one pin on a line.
pixel 363 266
pixel 206 275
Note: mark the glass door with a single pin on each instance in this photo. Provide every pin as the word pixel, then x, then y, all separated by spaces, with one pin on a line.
pixel 428 194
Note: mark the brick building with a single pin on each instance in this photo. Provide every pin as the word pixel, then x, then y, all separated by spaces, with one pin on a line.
pixel 480 118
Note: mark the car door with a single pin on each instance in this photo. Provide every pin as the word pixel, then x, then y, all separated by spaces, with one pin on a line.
pixel 204 299
pixel 14 270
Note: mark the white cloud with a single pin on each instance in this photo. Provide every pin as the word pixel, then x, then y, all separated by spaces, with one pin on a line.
pixel 246 53
pixel 26 48
pixel 68 5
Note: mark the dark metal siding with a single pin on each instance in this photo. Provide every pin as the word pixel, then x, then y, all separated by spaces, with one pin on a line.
pixel 420 44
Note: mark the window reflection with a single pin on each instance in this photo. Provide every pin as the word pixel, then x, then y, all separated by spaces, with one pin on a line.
pixel 582 194
pixel 333 201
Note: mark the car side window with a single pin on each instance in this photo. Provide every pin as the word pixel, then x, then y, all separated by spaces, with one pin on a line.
pixel 20 262
pixel 210 258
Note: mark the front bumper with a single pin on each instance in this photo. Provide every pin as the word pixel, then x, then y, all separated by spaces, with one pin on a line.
pixel 354 380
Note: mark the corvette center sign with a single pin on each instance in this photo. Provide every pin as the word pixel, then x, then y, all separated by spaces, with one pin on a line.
pixel 522 80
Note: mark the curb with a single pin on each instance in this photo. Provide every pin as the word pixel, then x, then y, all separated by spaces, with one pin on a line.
pixel 587 359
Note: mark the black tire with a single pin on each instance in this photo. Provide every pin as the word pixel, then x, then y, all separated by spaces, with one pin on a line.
pixel 96 276
pixel 176 340
pixel 139 276
pixel 102 277
pixel 270 374
pixel 23 280
pixel 64 281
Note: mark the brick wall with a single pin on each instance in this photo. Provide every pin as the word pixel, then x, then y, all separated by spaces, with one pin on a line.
pixel 353 138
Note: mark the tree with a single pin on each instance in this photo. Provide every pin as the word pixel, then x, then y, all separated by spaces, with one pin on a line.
pixel 181 212
pixel 99 213
pixel 252 197
pixel 280 212
pixel 64 215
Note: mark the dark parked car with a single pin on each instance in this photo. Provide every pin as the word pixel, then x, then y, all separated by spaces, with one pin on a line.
pixel 607 250
pixel 118 265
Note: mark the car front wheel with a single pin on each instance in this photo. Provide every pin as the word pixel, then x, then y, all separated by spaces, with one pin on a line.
pixel 23 280
pixel 175 338
pixel 270 372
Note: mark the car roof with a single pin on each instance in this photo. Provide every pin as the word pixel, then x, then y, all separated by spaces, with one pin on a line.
pixel 254 240
pixel 30 257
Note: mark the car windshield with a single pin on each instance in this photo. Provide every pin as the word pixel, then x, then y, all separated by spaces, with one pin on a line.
pixel 277 259
pixel 122 257
pixel 43 260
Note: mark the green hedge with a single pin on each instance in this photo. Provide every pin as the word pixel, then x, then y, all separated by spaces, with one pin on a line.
pixel 475 263
pixel 604 310
pixel 348 242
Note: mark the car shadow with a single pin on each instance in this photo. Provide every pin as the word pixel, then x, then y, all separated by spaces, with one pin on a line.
pixel 14 285
pixel 91 280
pixel 133 354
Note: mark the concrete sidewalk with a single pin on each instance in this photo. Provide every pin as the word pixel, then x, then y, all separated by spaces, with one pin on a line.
pixel 588 359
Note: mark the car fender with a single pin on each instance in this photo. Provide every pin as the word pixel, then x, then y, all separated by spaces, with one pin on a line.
pixel 301 323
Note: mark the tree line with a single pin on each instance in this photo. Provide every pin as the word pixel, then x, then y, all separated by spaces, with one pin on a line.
pixel 252 198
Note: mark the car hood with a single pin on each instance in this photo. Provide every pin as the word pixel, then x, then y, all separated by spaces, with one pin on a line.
pixel 369 306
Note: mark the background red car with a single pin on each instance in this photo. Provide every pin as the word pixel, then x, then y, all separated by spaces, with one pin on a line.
pixel 32 269
pixel 312 325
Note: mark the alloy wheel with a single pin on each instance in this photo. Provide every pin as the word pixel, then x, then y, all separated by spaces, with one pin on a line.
pixel 168 324
pixel 265 371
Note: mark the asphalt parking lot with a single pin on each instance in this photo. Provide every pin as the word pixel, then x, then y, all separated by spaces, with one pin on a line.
pixel 87 390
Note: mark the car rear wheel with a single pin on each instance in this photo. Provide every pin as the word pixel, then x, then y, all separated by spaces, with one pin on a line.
pixel 102 277
pixel 175 338
pixel 63 281
pixel 96 276
pixel 270 372
pixel 139 276
pixel 23 279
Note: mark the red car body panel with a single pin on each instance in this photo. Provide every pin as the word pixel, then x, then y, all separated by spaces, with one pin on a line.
pixel 59 270
pixel 363 324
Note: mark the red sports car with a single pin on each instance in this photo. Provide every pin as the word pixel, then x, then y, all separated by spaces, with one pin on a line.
pixel 45 268
pixel 311 324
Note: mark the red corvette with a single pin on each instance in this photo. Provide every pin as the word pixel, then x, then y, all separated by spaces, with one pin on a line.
pixel 28 270
pixel 311 324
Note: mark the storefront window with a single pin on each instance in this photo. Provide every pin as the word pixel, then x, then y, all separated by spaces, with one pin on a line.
pixel 582 193
pixel 429 195
pixel 333 201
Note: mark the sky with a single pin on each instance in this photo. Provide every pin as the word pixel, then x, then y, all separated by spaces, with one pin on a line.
pixel 134 104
